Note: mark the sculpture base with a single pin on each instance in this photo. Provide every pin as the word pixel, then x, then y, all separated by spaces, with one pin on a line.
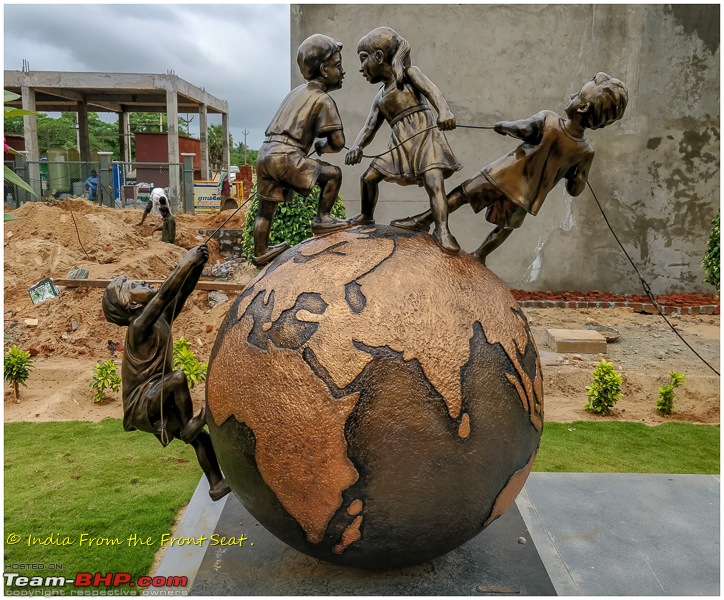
pixel 633 550
pixel 493 563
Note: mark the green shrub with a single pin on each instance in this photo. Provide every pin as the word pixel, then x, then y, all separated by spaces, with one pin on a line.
pixel 178 345
pixel 605 389
pixel 185 360
pixel 665 403
pixel 710 264
pixel 292 220
pixel 17 366
pixel 105 377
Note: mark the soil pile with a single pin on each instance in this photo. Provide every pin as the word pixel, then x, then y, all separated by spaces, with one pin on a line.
pixel 50 239
pixel 71 333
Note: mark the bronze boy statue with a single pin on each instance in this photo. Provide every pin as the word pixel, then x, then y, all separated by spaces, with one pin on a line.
pixel 553 148
pixel 283 167
pixel 418 152
pixel 156 398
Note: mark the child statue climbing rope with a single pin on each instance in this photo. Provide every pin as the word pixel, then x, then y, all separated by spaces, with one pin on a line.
pixel 156 398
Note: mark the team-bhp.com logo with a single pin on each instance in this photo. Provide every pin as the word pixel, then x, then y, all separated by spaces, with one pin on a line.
pixel 92 580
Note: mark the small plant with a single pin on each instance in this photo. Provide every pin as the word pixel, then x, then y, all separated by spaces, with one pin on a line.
pixel 17 366
pixel 605 389
pixel 710 264
pixel 665 403
pixel 178 345
pixel 292 220
pixel 105 377
pixel 185 360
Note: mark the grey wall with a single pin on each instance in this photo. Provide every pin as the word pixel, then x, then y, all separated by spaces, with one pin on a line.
pixel 656 171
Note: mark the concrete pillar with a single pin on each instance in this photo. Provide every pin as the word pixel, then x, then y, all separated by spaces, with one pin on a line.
pixel 30 127
pixel 174 172
pixel 21 170
pixel 225 155
pixel 124 135
pixel 204 137
pixel 105 177
pixel 83 137
pixel 188 178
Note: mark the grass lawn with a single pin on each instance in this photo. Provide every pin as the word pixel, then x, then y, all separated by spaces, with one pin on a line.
pixel 72 478
pixel 622 447
pixel 63 480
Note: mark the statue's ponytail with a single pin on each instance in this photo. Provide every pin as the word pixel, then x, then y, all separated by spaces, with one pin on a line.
pixel 401 60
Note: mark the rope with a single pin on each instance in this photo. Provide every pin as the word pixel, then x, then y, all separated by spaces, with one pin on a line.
pixel 242 205
pixel 415 135
pixel 77 233
pixel 398 145
pixel 164 434
pixel 645 285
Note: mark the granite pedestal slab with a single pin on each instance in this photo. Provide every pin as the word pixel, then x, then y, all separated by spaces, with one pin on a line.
pixel 493 563
pixel 597 534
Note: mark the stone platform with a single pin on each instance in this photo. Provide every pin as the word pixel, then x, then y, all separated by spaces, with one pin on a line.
pixel 585 534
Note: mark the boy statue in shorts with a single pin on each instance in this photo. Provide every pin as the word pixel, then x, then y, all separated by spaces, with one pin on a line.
pixel 553 148
pixel 156 398
pixel 283 165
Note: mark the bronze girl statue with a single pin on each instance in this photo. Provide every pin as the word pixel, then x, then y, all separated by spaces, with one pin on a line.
pixel 418 152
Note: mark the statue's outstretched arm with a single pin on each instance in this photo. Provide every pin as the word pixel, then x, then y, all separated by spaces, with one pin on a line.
pixel 180 283
pixel 529 130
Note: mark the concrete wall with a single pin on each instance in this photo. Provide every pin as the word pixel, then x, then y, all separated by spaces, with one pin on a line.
pixel 656 171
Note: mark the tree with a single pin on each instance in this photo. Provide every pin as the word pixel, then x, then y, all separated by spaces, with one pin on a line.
pixel 238 154
pixel 17 366
pixel 153 123
pixel 61 132
pixel 215 141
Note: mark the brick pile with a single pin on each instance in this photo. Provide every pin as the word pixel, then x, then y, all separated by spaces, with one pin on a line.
pixel 671 304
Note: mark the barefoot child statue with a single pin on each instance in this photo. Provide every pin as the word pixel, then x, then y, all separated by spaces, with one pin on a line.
pixel 283 167
pixel 418 152
pixel 553 148
pixel 156 398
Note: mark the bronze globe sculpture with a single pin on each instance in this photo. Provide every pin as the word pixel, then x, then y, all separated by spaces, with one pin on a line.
pixel 375 402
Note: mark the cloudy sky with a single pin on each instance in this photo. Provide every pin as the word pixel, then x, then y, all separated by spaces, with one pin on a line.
pixel 238 52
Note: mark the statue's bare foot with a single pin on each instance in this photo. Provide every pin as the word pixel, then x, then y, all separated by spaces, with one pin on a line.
pixel 268 256
pixel 446 240
pixel 219 490
pixel 328 225
pixel 411 223
pixel 360 219
pixel 480 256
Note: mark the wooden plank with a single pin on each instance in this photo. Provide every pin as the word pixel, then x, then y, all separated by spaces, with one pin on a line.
pixel 219 286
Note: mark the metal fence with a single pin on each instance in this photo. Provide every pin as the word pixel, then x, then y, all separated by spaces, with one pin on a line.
pixel 120 184
pixel 132 182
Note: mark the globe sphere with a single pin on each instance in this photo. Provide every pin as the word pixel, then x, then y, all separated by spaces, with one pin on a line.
pixel 373 401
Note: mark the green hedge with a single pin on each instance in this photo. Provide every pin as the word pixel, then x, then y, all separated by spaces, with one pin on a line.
pixel 710 264
pixel 292 221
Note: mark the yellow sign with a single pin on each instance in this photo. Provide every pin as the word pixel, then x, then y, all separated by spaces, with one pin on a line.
pixel 207 198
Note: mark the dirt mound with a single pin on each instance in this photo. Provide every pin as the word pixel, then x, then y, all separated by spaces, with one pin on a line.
pixel 51 238
pixel 212 221
pixel 71 333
